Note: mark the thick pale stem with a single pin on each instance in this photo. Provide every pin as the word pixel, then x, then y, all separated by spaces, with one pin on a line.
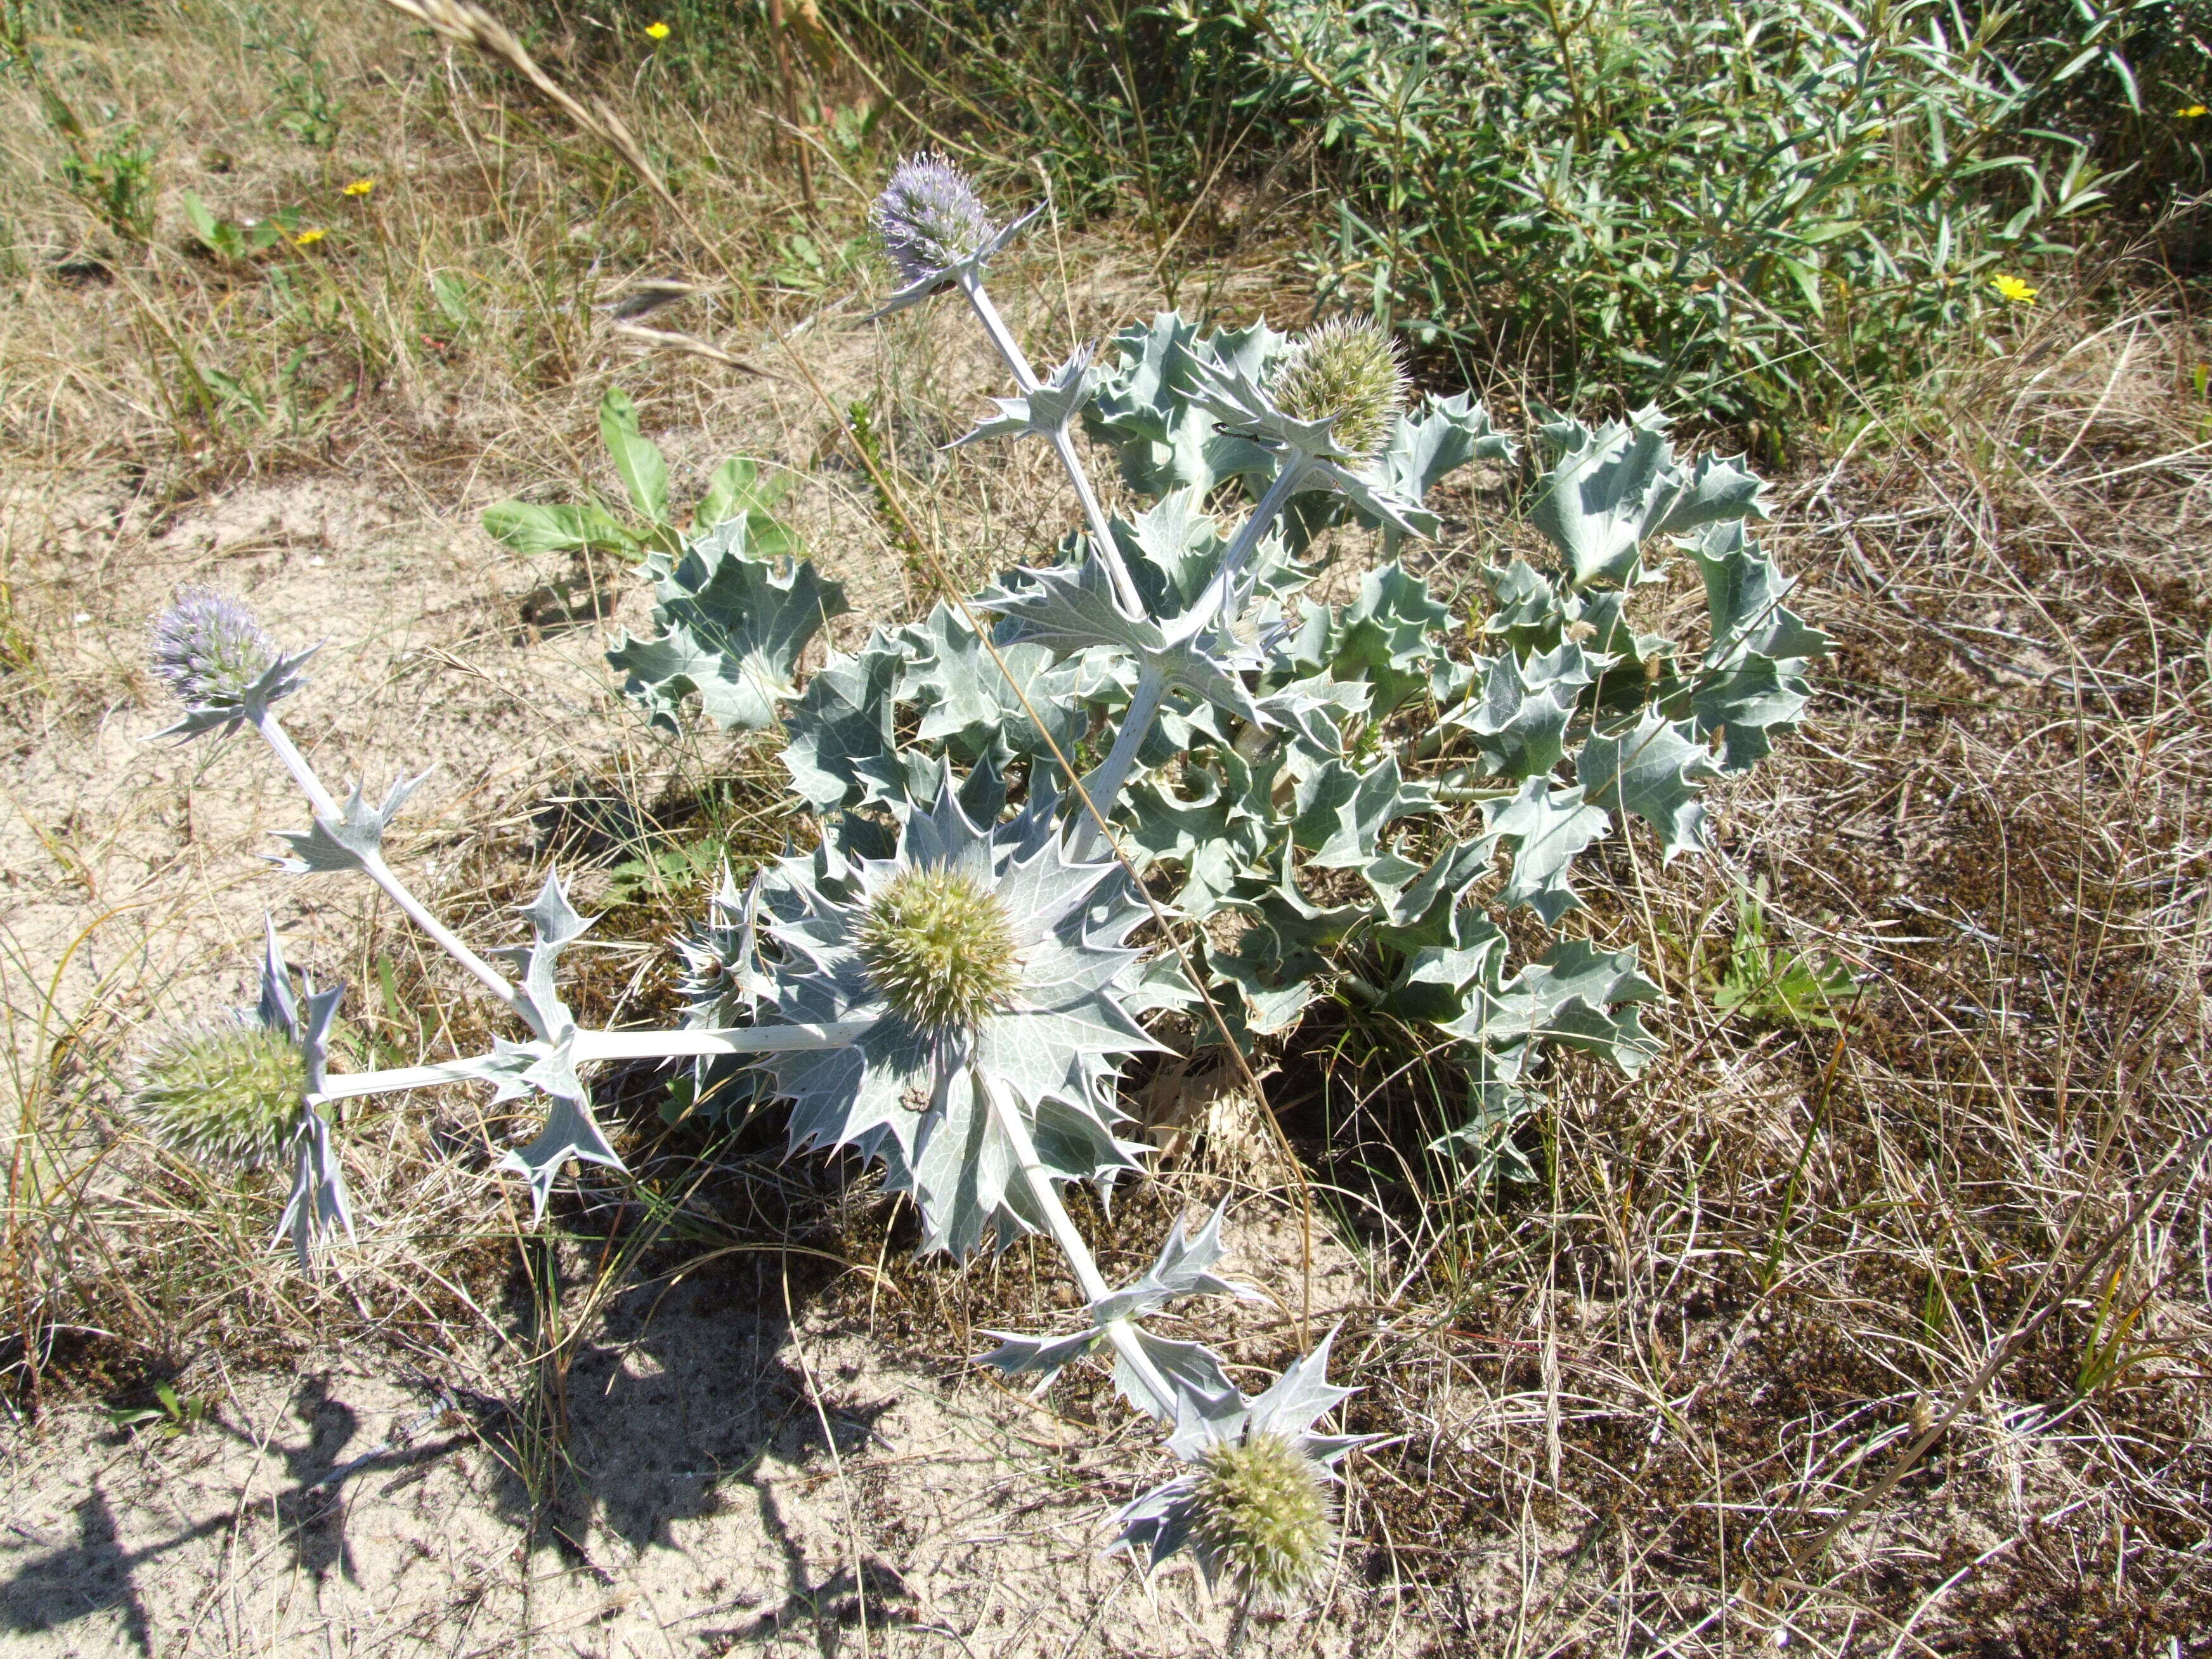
pixel 1196 620
pixel 324 803
pixel 1070 1239
pixel 1025 377
pixel 325 806
pixel 1103 786
pixel 616 1045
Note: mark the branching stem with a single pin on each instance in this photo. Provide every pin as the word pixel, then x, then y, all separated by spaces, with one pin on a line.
pixel 1070 1239
pixel 373 865
pixel 583 1046
pixel 1102 532
pixel 1210 604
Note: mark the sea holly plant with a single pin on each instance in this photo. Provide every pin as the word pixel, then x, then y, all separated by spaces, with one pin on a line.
pixel 1143 793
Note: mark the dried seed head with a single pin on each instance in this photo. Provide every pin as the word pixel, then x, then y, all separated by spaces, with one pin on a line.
pixel 929 217
pixel 210 649
pixel 1348 369
pixel 939 948
pixel 1262 1511
pixel 226 1091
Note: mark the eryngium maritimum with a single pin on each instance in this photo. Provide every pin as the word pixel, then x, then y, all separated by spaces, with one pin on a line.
pixel 939 947
pixel 984 967
pixel 1349 371
pixel 1261 1508
pixel 1253 1506
pixel 210 649
pixel 930 218
pixel 227 1091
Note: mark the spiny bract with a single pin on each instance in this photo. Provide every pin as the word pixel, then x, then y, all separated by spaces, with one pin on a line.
pixel 210 649
pixel 1261 1508
pixel 228 1091
pixel 1348 370
pixel 939 947
pixel 930 217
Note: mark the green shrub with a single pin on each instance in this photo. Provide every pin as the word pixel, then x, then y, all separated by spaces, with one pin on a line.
pixel 1736 207
pixel 1722 203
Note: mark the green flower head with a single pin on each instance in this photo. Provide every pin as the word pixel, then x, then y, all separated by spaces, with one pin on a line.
pixel 976 978
pixel 229 1091
pixel 939 947
pixel 1349 371
pixel 1252 1506
pixel 1260 1508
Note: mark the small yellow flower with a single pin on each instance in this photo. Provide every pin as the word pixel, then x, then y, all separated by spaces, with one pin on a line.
pixel 359 187
pixel 309 238
pixel 657 31
pixel 2012 291
pixel 2191 113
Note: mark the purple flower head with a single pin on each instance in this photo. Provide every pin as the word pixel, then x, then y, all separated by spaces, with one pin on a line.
pixel 930 218
pixel 210 649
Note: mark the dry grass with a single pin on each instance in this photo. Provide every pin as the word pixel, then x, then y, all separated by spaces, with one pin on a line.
pixel 1627 1408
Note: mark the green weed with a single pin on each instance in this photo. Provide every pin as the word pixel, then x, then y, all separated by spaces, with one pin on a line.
pixel 1768 983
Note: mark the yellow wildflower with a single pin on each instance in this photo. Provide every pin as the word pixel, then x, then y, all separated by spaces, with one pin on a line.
pixel 309 238
pixel 658 31
pixel 2191 113
pixel 359 187
pixel 2012 291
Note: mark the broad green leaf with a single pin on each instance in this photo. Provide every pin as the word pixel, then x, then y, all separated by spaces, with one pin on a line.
pixel 637 461
pixel 1549 827
pixel 1519 725
pixel 1574 994
pixel 1203 833
pixel 1526 612
pixel 528 528
pixel 1744 594
pixel 1483 1145
pixel 203 222
pixel 736 488
pixel 1717 489
pixel 1382 636
pixel 1743 704
pixel 1426 911
pixel 968 702
pixel 843 749
pixel 1273 993
pixel 1448 433
pixel 1341 813
pixel 1435 981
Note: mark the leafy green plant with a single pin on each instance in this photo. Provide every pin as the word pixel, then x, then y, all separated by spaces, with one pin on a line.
pixel 681 866
pixel 169 1418
pixel 2107 1352
pixel 1770 984
pixel 737 493
pixel 233 239
pixel 110 171
pixel 303 104
pixel 1713 203
pixel 114 178
pixel 1146 793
